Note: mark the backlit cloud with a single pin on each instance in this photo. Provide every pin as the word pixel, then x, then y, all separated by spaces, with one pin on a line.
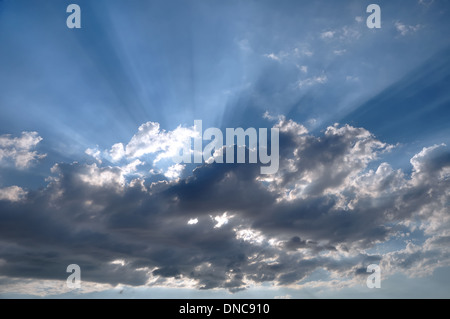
pixel 19 150
pixel 227 226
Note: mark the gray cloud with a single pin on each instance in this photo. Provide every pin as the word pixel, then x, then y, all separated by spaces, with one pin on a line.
pixel 321 211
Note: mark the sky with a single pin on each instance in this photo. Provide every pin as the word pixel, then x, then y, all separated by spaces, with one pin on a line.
pixel 91 117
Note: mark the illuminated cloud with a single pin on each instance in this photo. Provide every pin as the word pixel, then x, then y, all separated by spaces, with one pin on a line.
pixel 19 150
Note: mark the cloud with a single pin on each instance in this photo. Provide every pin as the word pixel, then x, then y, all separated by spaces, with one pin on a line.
pixel 303 52
pixel 321 79
pixel 351 78
pixel 244 45
pixel 148 146
pixel 303 68
pixel 349 33
pixel 95 153
pixel 273 56
pixel 345 33
pixel 327 34
pixel 117 152
pixel 404 29
pixel 12 193
pixel 174 171
pixel 227 226
pixel 426 3
pixel 291 55
pixel 151 139
pixel 339 52
pixel 19 150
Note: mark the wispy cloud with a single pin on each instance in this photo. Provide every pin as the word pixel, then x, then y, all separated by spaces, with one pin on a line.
pixel 404 29
pixel 19 150
pixel 320 79
pixel 327 34
pixel 274 57
pixel 344 34
pixel 339 52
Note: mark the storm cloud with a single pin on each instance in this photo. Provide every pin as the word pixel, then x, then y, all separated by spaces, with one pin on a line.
pixel 330 203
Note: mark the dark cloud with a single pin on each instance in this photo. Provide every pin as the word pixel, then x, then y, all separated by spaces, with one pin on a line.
pixel 320 211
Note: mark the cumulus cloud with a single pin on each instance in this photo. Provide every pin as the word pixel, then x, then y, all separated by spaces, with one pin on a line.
pixel 148 146
pixel 12 193
pixel 174 171
pixel 151 139
pixel 227 226
pixel 19 150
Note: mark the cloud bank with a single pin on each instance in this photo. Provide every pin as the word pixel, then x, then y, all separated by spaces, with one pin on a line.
pixel 330 205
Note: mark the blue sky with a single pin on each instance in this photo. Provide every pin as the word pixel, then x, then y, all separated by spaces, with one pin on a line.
pixel 309 64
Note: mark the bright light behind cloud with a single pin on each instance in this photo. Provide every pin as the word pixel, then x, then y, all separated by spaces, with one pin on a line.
pixel 90 121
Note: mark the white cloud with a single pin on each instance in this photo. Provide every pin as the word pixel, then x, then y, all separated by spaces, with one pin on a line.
pixel 174 171
pixel 43 288
pixel 95 153
pixel 277 57
pixel 303 52
pixel 351 78
pixel 327 34
pixel 291 55
pixel 20 149
pixel 349 33
pixel 93 175
pixel 222 220
pixel 359 19
pixel 290 126
pixel 303 68
pixel 272 56
pixel 120 262
pixel 405 29
pixel 12 193
pixel 117 152
pixel 344 33
pixel 131 167
pixel 150 139
pixel 339 52
pixel 312 81
pixel 193 221
pixel 249 235
pixel 306 176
